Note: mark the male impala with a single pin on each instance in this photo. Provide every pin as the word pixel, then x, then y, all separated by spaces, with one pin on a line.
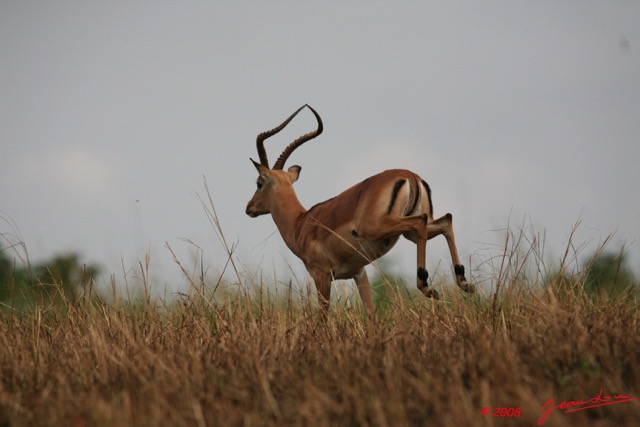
pixel 336 239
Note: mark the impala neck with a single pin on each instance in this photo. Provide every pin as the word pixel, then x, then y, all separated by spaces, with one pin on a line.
pixel 286 212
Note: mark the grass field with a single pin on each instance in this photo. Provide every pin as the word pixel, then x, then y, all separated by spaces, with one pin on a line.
pixel 247 361
pixel 530 350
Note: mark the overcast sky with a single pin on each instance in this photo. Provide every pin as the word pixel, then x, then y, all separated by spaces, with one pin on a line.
pixel 113 114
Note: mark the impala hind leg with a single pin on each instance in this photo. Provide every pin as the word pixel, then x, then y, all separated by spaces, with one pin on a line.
pixel 423 274
pixel 444 225
pixel 390 226
pixel 413 228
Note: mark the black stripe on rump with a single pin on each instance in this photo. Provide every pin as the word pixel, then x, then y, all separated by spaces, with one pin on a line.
pixel 426 187
pixel 394 194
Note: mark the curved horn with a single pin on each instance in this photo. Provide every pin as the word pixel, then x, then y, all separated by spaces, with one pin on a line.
pixel 299 141
pixel 264 135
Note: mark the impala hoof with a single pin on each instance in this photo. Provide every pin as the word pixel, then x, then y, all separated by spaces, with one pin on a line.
pixel 423 276
pixel 430 293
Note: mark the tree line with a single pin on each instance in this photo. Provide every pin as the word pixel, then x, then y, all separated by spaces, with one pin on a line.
pixel 66 276
pixel 63 276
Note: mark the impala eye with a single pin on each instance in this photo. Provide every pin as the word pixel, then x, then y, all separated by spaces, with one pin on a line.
pixel 259 185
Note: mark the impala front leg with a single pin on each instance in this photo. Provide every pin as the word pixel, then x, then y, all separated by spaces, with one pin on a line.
pixel 364 288
pixel 323 286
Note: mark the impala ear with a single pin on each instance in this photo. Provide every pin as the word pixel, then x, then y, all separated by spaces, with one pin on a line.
pixel 259 167
pixel 294 172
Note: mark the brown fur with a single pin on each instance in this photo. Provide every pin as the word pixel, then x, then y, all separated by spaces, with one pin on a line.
pixel 337 238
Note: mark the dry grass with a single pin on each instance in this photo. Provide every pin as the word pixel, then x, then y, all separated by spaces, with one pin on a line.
pixel 221 358
pixel 253 362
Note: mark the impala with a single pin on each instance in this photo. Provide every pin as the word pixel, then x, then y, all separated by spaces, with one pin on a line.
pixel 337 238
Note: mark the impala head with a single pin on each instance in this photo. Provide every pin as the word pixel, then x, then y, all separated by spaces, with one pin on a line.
pixel 275 182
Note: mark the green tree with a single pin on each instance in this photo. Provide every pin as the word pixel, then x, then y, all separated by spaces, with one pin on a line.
pixel 66 273
pixel 62 277
pixel 6 266
pixel 608 273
